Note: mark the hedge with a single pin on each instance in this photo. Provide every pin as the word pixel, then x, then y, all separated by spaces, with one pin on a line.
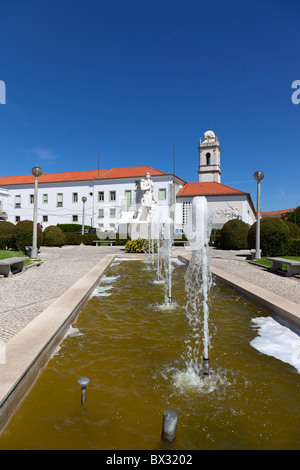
pixel 6 235
pixel 274 237
pixel 234 235
pixel 53 236
pixel 23 232
pixel 72 227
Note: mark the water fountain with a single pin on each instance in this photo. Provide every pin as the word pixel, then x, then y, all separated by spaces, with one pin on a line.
pixel 130 349
pixel 167 254
pixel 198 282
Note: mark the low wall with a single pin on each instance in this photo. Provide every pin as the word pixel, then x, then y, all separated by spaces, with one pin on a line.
pixel 277 306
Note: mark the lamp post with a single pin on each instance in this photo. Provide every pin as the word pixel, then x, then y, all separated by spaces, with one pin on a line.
pixel 258 176
pixel 36 171
pixel 84 199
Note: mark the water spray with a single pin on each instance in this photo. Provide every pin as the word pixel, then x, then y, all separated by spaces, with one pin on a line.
pixel 198 279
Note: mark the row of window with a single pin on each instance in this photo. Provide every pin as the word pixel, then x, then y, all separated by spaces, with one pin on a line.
pixel 74 219
pixel 130 197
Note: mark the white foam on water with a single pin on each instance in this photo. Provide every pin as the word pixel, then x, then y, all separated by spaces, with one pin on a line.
pixel 158 281
pixel 168 306
pixel 189 382
pixel 178 262
pixel 100 291
pixel 277 340
pixel 72 331
pixel 109 278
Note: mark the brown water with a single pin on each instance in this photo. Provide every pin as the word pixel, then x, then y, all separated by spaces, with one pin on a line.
pixel 131 349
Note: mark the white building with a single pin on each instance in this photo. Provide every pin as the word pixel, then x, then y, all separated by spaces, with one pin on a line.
pixel 4 195
pixel 111 194
pixel 108 193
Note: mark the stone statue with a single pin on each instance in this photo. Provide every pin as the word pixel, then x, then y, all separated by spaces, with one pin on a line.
pixel 144 198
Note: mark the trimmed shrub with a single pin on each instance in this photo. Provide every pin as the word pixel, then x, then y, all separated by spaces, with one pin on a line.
pixel 294 229
pixel 6 235
pixel 71 238
pixel 294 216
pixel 234 235
pixel 53 236
pixel 274 237
pixel 215 237
pixel 23 235
pixel 139 245
pixel 71 227
pixel 294 247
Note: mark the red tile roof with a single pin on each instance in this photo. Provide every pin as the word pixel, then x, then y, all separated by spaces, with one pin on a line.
pixel 207 189
pixel 277 213
pixel 128 172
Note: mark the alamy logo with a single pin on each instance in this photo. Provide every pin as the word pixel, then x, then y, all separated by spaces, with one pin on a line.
pixel 295 96
pixel 2 92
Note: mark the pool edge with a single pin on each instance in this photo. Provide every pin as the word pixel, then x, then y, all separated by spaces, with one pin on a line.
pixel 279 307
pixel 29 351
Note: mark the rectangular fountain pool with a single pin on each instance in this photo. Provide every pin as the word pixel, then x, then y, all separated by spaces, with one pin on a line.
pixel 133 348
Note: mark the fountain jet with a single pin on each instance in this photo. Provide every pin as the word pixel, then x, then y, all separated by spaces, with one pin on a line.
pixel 198 282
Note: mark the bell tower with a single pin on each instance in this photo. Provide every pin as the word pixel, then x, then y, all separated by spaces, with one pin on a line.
pixel 209 158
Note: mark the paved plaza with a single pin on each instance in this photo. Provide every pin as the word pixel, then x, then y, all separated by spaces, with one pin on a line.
pixel 25 295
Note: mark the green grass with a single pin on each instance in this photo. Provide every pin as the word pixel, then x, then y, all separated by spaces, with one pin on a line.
pixel 11 254
pixel 268 263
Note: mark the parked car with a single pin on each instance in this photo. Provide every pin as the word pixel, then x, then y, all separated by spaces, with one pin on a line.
pixel 80 231
pixel 92 230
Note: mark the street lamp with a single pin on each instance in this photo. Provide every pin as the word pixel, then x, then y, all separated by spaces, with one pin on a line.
pixel 36 171
pixel 258 176
pixel 84 199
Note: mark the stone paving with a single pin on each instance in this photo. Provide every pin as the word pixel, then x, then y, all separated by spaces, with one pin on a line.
pixel 25 295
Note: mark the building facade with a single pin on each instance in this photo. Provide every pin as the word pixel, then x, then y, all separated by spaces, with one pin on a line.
pixel 4 195
pixel 111 194
pixel 108 194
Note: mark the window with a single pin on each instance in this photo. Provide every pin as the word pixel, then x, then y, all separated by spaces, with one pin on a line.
pixel 162 194
pixel 59 200
pixel 128 197
pixel 112 226
pixel 112 213
pixel 100 213
pixel 100 196
pixel 112 196
pixel 208 158
pixel 75 197
pixel 17 202
pixel 45 218
pixel 31 198
pixel 74 218
pixel 17 219
pixel 185 211
pixel 45 198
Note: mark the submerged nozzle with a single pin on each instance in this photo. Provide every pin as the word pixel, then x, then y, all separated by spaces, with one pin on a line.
pixel 83 383
pixel 169 425
pixel 206 370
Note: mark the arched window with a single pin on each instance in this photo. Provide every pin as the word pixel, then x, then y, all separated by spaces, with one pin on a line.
pixel 208 158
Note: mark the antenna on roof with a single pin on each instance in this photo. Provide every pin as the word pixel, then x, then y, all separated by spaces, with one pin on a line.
pixel 98 163
pixel 174 160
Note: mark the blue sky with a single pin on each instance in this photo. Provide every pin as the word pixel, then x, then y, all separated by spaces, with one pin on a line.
pixel 132 79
